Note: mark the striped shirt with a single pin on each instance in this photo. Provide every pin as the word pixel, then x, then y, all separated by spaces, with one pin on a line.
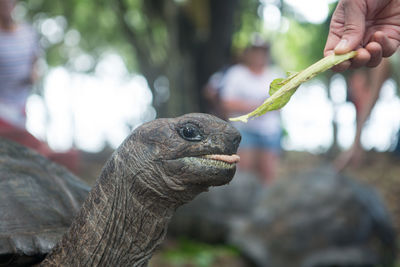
pixel 18 50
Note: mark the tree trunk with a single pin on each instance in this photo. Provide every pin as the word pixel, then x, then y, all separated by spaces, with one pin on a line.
pixel 193 51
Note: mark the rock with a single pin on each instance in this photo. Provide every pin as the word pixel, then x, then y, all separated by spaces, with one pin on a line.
pixel 210 216
pixel 318 218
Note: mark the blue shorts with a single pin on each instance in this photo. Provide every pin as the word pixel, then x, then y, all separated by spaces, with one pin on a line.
pixel 252 140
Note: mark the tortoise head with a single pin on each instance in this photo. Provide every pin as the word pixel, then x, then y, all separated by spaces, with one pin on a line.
pixel 194 151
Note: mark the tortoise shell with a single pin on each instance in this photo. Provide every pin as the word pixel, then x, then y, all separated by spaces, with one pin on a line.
pixel 38 200
pixel 319 218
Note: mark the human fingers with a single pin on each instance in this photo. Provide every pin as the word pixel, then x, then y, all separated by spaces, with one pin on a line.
pixel 375 50
pixel 362 58
pixel 331 42
pixel 353 30
pixel 335 33
pixel 342 66
pixel 389 46
pixel 335 29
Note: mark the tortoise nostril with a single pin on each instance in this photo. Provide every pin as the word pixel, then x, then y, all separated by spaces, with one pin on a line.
pixel 237 140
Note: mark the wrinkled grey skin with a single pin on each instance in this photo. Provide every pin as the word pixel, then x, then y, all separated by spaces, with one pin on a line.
pixel 318 219
pixel 154 171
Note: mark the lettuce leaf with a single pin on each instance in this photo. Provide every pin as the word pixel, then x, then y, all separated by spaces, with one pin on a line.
pixel 282 89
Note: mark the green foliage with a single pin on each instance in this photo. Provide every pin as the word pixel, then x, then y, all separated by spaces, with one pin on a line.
pixel 99 27
pixel 99 24
pixel 301 45
pixel 184 41
pixel 248 23
pixel 197 254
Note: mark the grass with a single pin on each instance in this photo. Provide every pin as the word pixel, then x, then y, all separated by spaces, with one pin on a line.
pixel 184 252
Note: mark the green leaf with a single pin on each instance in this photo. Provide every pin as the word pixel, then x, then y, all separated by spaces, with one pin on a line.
pixel 282 89
pixel 278 83
pixel 275 85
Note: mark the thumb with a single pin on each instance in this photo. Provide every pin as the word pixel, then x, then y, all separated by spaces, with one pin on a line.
pixel 353 27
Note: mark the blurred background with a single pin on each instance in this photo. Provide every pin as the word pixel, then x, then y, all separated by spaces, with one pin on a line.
pixel 105 67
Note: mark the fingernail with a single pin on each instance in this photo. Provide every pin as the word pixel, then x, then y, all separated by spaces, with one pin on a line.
pixel 342 45
pixel 328 53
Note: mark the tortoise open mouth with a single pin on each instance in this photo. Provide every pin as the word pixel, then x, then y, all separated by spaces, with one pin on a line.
pixel 217 160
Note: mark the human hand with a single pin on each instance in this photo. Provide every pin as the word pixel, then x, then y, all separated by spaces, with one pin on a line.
pixel 372 27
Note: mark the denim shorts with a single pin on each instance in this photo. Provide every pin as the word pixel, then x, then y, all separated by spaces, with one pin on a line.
pixel 255 140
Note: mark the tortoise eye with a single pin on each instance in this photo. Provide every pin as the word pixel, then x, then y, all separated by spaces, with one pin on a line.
pixel 190 132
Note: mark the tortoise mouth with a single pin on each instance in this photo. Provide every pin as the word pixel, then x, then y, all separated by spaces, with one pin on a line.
pixel 216 160
pixel 231 159
pixel 206 170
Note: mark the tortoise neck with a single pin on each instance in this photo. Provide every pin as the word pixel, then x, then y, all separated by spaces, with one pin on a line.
pixel 120 224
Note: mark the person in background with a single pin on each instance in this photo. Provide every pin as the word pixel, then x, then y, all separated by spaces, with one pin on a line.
pixel 365 87
pixel 372 27
pixel 245 87
pixel 18 55
pixel 359 91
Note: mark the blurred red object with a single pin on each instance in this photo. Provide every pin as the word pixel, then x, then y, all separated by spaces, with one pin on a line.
pixel 69 159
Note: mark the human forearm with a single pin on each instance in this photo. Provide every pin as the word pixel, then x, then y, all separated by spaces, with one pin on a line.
pixel 238 106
